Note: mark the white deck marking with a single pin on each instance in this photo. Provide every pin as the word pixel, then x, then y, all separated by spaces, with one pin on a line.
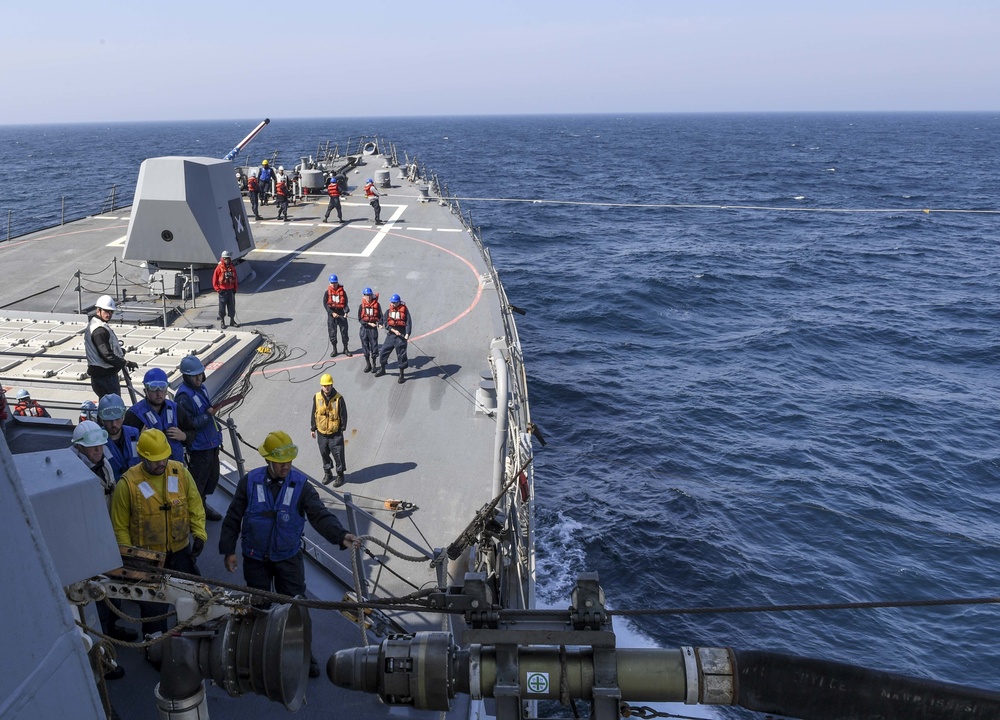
pixel 120 242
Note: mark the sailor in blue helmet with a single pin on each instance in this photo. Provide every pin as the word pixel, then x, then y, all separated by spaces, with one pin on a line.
pixel 122 439
pixel 369 317
pixel 269 510
pixel 335 302
pixel 197 419
pixel 398 326
pixel 156 412
pixel 373 195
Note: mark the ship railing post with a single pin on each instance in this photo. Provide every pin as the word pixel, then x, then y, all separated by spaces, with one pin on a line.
pixel 352 524
pixel 114 191
pixel 9 213
pixel 163 300
pixel 234 440
pixel 79 293
pixel 114 262
pixel 62 210
pixel 194 302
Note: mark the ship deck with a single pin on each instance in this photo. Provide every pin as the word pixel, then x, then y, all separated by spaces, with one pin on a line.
pixel 426 441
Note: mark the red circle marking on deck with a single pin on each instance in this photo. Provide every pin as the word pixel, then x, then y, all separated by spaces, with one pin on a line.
pixel 472 305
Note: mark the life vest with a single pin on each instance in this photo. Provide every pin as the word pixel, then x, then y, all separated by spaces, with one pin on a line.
pixel 160 520
pixel 327 413
pixel 207 436
pixel 396 317
pixel 272 526
pixel 30 408
pixel 93 357
pixel 336 298
pixel 281 188
pixel 370 311
pixel 122 453
pixel 264 175
pixel 370 191
pixel 333 189
pixel 163 420
pixel 224 277
pixel 252 184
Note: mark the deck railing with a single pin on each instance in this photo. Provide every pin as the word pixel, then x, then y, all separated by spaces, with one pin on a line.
pixel 68 208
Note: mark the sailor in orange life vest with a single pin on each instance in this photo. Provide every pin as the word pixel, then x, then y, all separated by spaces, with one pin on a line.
pixel 369 317
pixel 398 325
pixel 225 282
pixel 282 193
pixel 272 540
pixel 333 190
pixel 335 302
pixel 253 192
pixel 26 407
pixel 373 195
pixel 329 419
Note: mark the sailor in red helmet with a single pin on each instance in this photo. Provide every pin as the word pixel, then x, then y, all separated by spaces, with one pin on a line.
pixel 398 325
pixel 225 282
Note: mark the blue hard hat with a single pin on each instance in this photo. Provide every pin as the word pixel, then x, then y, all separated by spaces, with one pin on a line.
pixel 191 365
pixel 369 180
pixel 154 375
pixel 367 291
pixel 111 407
pixel 394 298
pixel 333 278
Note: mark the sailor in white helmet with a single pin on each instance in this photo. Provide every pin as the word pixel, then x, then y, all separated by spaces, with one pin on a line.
pixel 105 357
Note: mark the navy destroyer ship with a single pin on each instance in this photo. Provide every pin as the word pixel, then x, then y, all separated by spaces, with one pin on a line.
pixel 435 616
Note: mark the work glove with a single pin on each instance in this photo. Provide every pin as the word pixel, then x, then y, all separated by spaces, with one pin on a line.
pixel 198 546
pixel 131 365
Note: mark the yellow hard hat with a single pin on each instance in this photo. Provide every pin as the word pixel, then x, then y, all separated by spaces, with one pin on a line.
pixel 153 445
pixel 326 379
pixel 278 447
pixel 264 163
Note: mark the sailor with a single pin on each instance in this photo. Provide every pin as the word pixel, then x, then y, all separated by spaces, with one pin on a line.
pixel 373 195
pixel 105 357
pixel 253 186
pixel 197 418
pixel 225 282
pixel 264 177
pixel 88 444
pixel 156 506
pixel 272 540
pixel 26 407
pixel 398 326
pixel 88 411
pixel 369 317
pixel 282 194
pixel 329 419
pixel 335 302
pixel 156 412
pixel 122 439
pixel 333 190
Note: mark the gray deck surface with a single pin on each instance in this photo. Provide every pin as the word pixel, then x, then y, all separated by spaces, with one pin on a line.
pixel 422 442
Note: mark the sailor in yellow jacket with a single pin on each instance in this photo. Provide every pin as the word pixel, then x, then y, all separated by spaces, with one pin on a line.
pixel 156 506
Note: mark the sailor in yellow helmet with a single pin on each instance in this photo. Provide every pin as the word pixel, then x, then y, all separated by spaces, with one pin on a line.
pixel 269 510
pixel 156 506
pixel 329 419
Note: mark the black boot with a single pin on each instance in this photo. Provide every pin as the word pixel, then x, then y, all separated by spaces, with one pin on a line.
pixel 368 364
pixel 327 476
pixel 401 378
pixel 334 352
pixel 379 371
pixel 347 352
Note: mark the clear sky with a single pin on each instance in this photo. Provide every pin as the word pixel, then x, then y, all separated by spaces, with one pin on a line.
pixel 73 61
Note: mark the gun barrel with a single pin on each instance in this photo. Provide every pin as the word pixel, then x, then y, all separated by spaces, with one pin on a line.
pixel 242 144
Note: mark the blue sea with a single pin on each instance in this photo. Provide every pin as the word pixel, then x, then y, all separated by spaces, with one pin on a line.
pixel 762 350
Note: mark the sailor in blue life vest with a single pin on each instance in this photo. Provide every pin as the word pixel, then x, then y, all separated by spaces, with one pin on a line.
pixel 335 302
pixel 197 418
pixel 333 190
pixel 269 510
pixel 264 176
pixel 398 326
pixel 156 412
pixel 369 317
pixel 122 439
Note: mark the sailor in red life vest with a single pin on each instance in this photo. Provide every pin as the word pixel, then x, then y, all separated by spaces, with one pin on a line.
pixel 369 317
pixel 373 195
pixel 26 407
pixel 335 302
pixel 225 282
pixel 282 193
pixel 253 192
pixel 398 325
pixel 333 190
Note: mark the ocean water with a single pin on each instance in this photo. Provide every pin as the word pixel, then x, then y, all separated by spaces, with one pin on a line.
pixel 765 374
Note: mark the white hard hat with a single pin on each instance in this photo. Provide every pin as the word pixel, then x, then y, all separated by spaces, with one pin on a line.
pixel 22 394
pixel 281 169
pixel 89 434
pixel 106 302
